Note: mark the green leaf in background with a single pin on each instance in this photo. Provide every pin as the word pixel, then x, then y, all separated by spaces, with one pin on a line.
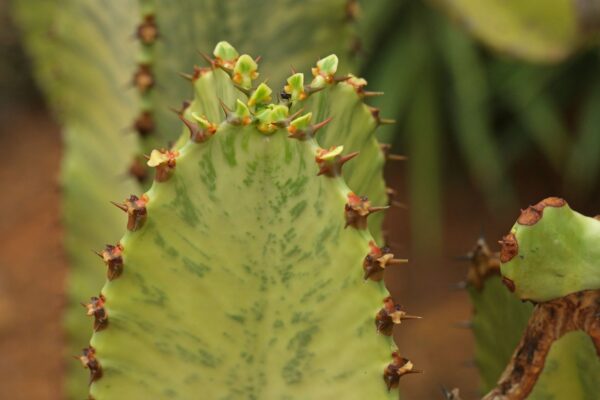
pixel 535 30
pixel 471 116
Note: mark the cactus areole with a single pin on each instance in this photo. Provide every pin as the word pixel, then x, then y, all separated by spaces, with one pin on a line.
pixel 249 270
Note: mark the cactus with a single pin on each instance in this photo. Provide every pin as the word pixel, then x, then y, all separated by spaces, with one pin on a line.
pixel 543 31
pixel 89 44
pixel 240 274
pixel 555 357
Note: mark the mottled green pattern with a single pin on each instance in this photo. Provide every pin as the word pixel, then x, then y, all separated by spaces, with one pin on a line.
pixel 243 283
pixel 85 76
pixel 353 127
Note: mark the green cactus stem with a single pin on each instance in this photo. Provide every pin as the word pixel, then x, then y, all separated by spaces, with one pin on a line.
pixel 240 274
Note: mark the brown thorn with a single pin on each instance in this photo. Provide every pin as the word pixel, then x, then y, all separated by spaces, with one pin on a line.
pixel 257 59
pixel 321 124
pixel 186 76
pixel 396 157
pixel 372 94
pixel 348 157
pixel 386 121
pixel 226 109
pixel 121 207
pixel 294 115
pixel 247 92
pixel 376 209
pixel 342 79
pixel 398 204
pixel 207 58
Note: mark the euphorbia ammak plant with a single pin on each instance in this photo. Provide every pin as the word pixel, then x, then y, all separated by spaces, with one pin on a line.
pixel 248 270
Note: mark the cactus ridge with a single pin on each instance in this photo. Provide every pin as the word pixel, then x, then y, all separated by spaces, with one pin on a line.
pixel 240 276
pixel 144 80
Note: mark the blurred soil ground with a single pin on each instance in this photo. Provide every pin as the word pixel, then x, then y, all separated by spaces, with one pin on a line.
pixel 32 264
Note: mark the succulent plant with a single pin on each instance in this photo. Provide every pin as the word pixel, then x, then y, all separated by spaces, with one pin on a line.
pixel 77 44
pixel 241 271
pixel 547 260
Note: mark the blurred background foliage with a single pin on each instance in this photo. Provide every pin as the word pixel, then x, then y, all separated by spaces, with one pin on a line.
pixel 528 92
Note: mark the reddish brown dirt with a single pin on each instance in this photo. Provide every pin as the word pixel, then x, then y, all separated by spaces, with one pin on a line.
pixel 32 266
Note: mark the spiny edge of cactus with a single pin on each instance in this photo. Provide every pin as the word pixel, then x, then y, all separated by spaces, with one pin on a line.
pixel 144 81
pixel 329 161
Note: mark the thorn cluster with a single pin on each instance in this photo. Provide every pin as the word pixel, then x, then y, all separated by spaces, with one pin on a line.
pixel 112 257
pixel 357 209
pixel 96 309
pixel 135 208
pixel 399 367
pixel 89 361
pixel 391 314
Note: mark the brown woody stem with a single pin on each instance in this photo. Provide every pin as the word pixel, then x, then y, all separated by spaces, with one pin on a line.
pixel 549 322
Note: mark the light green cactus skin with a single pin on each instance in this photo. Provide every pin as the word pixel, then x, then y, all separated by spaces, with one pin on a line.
pixel 243 282
pixel 536 30
pixel 556 256
pixel 85 46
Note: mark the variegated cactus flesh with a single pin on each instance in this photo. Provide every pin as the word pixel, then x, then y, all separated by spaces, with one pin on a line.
pixel 249 270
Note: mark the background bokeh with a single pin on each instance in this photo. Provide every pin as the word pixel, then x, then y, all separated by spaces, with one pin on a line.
pixel 486 134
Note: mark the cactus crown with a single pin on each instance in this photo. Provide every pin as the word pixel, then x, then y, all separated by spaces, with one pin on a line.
pixel 240 274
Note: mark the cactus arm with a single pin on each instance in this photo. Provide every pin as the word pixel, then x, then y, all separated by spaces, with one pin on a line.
pixel 233 278
pixel 69 67
pixel 542 31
